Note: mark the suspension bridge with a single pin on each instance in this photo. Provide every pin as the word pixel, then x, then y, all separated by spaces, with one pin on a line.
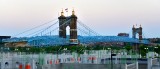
pixel 54 32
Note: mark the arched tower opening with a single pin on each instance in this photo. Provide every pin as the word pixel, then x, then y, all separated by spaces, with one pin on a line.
pixel 67 30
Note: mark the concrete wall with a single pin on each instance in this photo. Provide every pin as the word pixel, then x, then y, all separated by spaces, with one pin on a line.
pixel 142 66
pixel 82 66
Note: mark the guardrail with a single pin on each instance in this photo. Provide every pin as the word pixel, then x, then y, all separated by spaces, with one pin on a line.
pixel 132 66
pixel 151 62
pixel 154 61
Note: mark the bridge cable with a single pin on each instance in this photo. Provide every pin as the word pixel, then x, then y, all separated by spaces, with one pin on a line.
pixel 91 39
pixel 42 30
pixel 59 26
pixel 83 25
pixel 52 31
pixel 34 28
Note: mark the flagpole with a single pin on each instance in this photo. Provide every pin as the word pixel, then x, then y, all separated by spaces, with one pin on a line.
pixel 67 12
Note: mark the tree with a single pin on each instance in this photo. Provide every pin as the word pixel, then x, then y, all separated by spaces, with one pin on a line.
pixel 128 47
pixel 143 50
pixel 157 49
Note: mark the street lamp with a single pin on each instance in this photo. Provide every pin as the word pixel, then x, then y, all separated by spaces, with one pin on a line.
pixel 156 47
pixel 65 49
pixel 111 57
pixel 154 50
pixel 109 48
pixel 16 49
pixel 146 50
pixel 27 49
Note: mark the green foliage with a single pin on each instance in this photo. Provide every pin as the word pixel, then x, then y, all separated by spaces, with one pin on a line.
pixel 55 49
pixel 97 47
pixel 79 49
pixel 157 49
pixel 143 51
pixel 128 47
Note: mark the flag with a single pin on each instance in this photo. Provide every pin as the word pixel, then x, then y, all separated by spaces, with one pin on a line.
pixel 66 9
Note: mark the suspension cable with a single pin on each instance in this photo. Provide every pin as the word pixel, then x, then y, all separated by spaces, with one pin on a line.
pixel 34 28
pixel 42 30
pixel 58 27
pixel 83 25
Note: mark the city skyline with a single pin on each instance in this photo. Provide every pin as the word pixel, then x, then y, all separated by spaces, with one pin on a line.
pixel 106 17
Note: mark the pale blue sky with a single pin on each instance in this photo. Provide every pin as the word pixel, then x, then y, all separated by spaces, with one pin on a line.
pixel 107 17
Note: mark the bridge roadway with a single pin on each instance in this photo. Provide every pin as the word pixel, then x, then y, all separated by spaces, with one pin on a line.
pixel 55 40
pixel 110 39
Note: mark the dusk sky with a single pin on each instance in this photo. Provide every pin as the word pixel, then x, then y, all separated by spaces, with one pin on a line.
pixel 106 17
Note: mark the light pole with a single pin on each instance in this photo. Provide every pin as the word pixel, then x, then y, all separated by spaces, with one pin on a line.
pixel 27 49
pixel 154 50
pixel 2 49
pixel 16 49
pixel 65 49
pixel 111 58
pixel 146 50
pixel 156 47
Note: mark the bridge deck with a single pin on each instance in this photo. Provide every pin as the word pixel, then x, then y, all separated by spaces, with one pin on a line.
pixel 52 40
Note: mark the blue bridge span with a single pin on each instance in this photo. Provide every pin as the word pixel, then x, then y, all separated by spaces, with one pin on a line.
pixel 55 40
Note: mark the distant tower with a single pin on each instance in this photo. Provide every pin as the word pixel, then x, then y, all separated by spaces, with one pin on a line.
pixel 70 21
pixel 137 30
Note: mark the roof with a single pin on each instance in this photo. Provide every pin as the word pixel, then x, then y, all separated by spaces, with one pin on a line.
pixel 5 37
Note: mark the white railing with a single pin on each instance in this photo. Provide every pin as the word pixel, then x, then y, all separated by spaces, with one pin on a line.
pixel 154 61
pixel 151 62
pixel 132 66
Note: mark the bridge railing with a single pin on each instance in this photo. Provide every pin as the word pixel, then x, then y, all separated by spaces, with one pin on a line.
pixel 131 66
pixel 151 62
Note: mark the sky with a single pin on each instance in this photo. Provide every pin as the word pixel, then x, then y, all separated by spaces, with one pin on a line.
pixel 106 17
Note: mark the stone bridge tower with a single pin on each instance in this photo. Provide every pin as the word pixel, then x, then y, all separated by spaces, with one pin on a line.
pixel 137 31
pixel 70 21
